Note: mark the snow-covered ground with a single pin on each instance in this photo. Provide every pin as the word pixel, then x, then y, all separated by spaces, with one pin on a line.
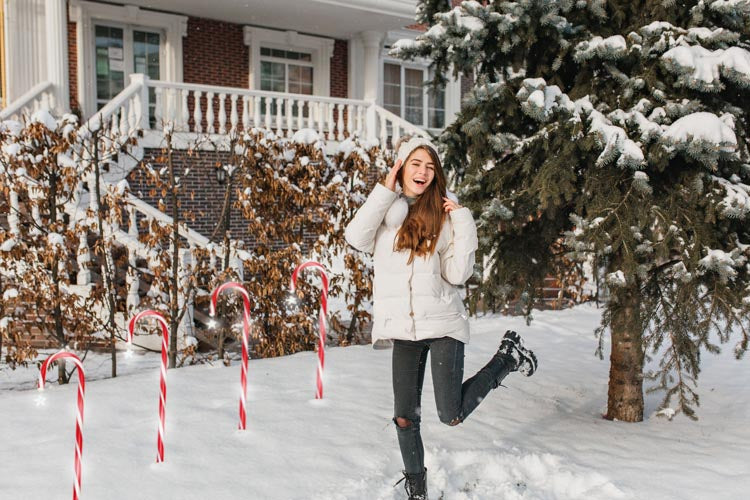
pixel 539 438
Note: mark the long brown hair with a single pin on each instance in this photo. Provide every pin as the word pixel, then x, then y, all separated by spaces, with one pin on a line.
pixel 420 230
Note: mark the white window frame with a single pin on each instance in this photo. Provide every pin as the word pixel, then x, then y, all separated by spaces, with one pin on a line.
pixel 127 50
pixel 404 65
pixel 452 87
pixel 320 48
pixel 286 63
pixel 86 15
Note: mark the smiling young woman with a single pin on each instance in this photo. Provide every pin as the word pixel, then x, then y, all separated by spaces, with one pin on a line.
pixel 423 244
pixel 424 186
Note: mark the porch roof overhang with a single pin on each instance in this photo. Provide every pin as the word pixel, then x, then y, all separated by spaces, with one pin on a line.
pixel 340 19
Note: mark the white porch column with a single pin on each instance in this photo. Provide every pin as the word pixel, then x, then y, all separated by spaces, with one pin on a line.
pixel 56 27
pixel 372 41
pixel 24 46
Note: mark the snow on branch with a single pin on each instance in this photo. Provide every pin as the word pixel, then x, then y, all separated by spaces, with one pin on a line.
pixel 700 69
pixel 465 16
pixel 731 7
pixel 540 101
pixel 722 263
pixel 617 146
pixel 610 48
pixel 736 202
pixel 703 136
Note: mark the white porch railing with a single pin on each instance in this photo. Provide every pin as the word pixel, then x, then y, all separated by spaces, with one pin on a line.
pixel 217 110
pixel 38 97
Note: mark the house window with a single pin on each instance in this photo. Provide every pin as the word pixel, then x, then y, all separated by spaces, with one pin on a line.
pixel 286 71
pixel 405 95
pixel 121 51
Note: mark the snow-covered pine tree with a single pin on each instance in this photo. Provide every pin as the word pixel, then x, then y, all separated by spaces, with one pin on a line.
pixel 621 127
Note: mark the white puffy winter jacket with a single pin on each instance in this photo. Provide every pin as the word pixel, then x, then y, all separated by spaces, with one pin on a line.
pixel 419 300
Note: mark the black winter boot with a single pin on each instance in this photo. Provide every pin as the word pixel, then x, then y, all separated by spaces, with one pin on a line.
pixel 525 360
pixel 416 485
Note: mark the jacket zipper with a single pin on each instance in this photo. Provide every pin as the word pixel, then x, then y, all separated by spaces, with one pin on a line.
pixel 411 304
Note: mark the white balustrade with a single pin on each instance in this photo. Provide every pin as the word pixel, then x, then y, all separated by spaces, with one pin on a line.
pixel 183 276
pixel 158 110
pixel 245 113
pixel 222 113
pixel 268 112
pixel 279 113
pixel 210 113
pixel 256 114
pixel 340 122
pixel 133 283
pixel 197 112
pixel 38 97
pixel 301 113
pixel 35 197
pixel 15 209
pixel 289 117
pixel 185 115
pixel 83 258
pixel 333 118
pixel 233 119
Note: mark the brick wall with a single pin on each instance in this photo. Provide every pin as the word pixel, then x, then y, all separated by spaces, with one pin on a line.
pixel 339 69
pixel 214 53
pixel 205 196
pixel 208 195
pixel 73 66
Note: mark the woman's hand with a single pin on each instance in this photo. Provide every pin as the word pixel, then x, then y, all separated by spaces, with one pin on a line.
pixel 450 205
pixel 390 179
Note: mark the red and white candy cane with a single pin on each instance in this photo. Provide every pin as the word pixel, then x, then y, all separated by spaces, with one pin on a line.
pixel 245 334
pixel 79 412
pixel 163 378
pixel 321 318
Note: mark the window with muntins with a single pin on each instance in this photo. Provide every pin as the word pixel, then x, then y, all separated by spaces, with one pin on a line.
pixel 286 71
pixel 121 51
pixel 405 95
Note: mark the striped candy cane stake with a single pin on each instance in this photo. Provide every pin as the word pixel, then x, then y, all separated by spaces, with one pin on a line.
pixel 245 335
pixel 321 318
pixel 163 378
pixel 79 412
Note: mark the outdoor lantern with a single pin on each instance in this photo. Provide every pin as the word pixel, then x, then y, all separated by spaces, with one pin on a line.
pixel 221 175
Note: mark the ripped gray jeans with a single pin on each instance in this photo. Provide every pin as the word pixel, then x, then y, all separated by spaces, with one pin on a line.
pixel 454 400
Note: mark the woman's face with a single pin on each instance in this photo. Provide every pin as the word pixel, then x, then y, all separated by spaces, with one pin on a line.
pixel 419 172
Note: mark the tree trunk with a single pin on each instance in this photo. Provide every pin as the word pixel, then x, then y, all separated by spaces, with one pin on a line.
pixel 62 377
pixel 625 398
pixel 108 274
pixel 220 343
pixel 175 313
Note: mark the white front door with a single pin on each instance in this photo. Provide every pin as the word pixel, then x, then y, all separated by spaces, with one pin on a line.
pixel 121 50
